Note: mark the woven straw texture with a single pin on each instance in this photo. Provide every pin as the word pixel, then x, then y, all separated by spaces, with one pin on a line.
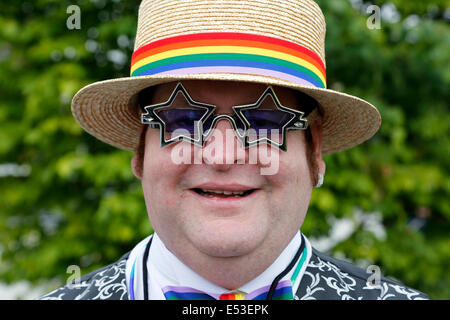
pixel 301 22
pixel 108 109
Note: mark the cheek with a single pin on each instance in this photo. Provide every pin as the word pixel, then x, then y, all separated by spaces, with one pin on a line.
pixel 294 168
pixel 291 186
pixel 160 174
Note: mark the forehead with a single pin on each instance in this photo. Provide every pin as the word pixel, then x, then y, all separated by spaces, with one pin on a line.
pixel 218 93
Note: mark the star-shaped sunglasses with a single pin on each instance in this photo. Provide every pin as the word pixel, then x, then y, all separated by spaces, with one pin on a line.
pixel 182 118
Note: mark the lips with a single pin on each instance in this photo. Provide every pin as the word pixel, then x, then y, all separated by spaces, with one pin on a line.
pixel 223 191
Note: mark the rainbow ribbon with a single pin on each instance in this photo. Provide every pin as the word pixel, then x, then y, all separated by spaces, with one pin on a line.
pixel 283 291
pixel 230 52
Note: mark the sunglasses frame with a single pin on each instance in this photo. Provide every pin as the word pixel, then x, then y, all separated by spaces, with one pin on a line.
pixel 297 122
pixel 151 118
pixel 154 121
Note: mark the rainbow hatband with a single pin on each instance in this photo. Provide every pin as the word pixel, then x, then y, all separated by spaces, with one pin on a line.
pixel 227 52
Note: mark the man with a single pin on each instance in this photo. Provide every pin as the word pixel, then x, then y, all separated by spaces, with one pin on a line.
pixel 228 113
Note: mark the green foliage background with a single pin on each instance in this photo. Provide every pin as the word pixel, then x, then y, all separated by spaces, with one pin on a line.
pixel 81 205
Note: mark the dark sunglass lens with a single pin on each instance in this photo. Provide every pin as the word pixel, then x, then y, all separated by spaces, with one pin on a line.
pixel 267 119
pixel 176 119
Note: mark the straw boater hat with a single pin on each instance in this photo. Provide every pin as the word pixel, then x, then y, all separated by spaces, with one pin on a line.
pixel 279 42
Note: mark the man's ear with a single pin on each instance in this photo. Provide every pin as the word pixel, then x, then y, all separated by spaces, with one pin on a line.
pixel 316 132
pixel 136 166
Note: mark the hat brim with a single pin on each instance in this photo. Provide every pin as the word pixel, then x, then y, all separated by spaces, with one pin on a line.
pixel 107 110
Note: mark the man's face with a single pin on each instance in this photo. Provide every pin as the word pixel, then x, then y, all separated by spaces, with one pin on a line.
pixel 189 205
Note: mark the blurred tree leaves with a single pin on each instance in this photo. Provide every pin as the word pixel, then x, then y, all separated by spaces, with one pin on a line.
pixel 80 204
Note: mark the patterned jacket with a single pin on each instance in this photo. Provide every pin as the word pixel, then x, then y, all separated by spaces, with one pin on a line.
pixel 325 278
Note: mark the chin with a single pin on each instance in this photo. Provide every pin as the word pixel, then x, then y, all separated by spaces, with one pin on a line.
pixel 225 249
pixel 230 241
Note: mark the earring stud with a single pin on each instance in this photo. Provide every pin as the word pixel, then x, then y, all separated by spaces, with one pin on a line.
pixel 320 180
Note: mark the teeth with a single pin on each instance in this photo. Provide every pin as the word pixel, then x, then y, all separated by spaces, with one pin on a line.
pixel 228 193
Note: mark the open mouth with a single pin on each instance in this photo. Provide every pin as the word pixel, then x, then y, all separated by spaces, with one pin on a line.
pixel 223 193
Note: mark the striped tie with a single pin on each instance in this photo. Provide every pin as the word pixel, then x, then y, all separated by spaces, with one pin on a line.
pixel 232 296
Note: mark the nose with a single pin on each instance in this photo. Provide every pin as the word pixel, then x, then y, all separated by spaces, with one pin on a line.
pixel 223 149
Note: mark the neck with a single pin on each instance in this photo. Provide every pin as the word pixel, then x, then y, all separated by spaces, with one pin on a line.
pixel 230 272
